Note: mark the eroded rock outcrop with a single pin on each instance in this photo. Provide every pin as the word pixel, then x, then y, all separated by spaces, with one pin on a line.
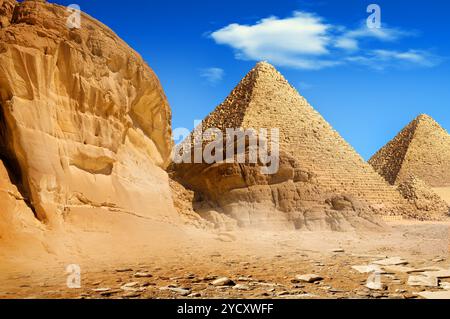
pixel 18 225
pixel 84 122
pixel 322 183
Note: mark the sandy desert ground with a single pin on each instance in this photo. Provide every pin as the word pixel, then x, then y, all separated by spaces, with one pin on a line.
pixel 259 264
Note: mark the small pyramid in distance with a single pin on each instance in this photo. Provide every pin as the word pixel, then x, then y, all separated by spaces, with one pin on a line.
pixel 417 192
pixel 264 99
pixel 421 149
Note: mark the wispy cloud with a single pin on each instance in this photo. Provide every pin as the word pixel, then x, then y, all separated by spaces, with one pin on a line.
pixel 306 41
pixel 350 39
pixel 212 75
pixel 383 59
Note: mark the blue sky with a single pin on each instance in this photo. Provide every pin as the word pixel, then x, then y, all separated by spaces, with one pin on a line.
pixel 368 84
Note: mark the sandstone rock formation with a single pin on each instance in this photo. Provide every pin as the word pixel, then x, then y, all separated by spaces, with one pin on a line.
pixel 428 203
pixel 183 200
pixel 421 149
pixel 84 123
pixel 18 225
pixel 322 183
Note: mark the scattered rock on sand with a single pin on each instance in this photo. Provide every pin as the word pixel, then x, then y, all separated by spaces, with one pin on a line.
pixel 124 270
pixel 369 256
pixel 283 293
pixel 394 261
pixel 132 294
pixel 131 286
pixel 376 286
pixel 435 294
pixel 143 275
pixel 101 289
pixel 424 269
pixel 109 293
pixel 180 291
pixel 445 285
pixel 423 281
pixel 241 287
pixel 223 281
pixel 365 269
pixel 438 274
pixel 398 269
pixel 309 278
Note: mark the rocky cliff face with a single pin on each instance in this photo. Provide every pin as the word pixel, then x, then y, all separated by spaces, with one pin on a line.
pixel 84 123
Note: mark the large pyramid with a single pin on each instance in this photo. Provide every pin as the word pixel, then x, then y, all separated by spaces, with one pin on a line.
pixel 421 149
pixel 319 170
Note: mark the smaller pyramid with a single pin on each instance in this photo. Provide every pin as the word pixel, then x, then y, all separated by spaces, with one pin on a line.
pixel 421 149
pixel 418 193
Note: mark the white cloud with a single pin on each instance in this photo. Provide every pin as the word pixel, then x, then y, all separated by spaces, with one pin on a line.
pixel 347 44
pixel 293 41
pixel 212 75
pixel 382 59
pixel 306 41
pixel 349 40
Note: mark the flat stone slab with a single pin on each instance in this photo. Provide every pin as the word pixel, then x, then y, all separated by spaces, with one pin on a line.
pixel 300 296
pixel 394 261
pixel 445 285
pixel 366 269
pixel 310 278
pixel 180 291
pixel 241 287
pixel 376 286
pixel 423 281
pixel 223 281
pixel 369 256
pixel 438 274
pixel 142 275
pixel 424 269
pixel 435 294
pixel 101 289
pixel 398 269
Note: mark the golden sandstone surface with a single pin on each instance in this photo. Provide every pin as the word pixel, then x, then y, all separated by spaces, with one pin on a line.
pixel 85 125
